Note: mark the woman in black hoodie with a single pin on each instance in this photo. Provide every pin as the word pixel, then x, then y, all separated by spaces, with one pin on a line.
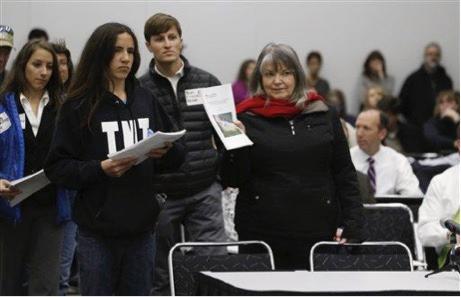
pixel 115 208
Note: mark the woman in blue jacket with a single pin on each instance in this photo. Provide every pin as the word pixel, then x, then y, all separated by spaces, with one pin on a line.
pixel 31 232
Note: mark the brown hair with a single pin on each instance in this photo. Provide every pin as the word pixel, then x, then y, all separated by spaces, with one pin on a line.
pixel 16 80
pixel 160 23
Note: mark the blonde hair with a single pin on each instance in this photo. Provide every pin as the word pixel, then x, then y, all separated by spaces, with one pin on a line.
pixel 450 95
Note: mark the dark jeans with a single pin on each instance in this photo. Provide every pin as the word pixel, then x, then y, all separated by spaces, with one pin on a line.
pixel 69 244
pixel 30 254
pixel 115 266
pixel 201 214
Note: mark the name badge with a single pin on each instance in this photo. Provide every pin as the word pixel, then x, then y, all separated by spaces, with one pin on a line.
pixel 22 119
pixel 194 97
pixel 5 122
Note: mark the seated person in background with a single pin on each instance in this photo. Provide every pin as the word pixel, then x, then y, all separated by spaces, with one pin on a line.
pixel 401 136
pixel 441 202
pixel 337 99
pixel 374 94
pixel 313 79
pixel 389 172
pixel 366 191
pixel 240 86
pixel 440 130
pixel 374 74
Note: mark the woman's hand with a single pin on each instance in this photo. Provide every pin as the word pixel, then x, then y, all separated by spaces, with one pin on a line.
pixel 338 236
pixel 240 126
pixel 117 168
pixel 160 152
pixel 7 190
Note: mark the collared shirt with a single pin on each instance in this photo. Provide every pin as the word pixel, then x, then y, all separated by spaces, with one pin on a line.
pixel 441 202
pixel 34 119
pixel 393 171
pixel 173 79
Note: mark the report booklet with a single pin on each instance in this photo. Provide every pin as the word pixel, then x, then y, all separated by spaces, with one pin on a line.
pixel 219 105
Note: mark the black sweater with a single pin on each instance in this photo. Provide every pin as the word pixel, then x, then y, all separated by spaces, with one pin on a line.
pixel 297 180
pixel 107 205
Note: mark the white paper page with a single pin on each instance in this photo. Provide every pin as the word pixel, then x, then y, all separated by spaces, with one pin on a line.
pixel 219 106
pixel 141 148
pixel 28 186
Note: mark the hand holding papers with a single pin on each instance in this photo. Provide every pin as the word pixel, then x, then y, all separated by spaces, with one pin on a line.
pixel 140 149
pixel 219 106
pixel 28 185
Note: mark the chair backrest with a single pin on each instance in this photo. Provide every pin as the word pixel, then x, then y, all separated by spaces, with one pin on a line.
pixel 366 256
pixel 389 222
pixel 183 266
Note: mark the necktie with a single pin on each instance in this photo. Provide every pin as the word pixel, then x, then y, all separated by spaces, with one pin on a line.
pixel 371 173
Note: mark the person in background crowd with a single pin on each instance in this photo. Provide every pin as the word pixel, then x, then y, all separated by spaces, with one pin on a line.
pixel 38 33
pixel 69 242
pixel 401 136
pixel 240 86
pixel 106 110
pixel 440 130
pixel 389 172
pixel 314 81
pixel 193 194
pixel 337 99
pixel 6 44
pixel 297 183
pixel 440 203
pixel 374 94
pixel 366 191
pixel 421 88
pixel 66 67
pixel 374 74
pixel 31 231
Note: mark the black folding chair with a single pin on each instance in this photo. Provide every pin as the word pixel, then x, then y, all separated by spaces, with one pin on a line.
pixel 183 263
pixel 366 256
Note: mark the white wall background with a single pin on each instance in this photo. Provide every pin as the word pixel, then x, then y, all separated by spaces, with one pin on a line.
pixel 219 34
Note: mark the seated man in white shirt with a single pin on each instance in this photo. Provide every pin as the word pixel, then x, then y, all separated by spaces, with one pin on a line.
pixel 441 202
pixel 389 172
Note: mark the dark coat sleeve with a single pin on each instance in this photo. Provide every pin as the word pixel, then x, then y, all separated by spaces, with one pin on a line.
pixel 63 165
pixel 345 178
pixel 435 138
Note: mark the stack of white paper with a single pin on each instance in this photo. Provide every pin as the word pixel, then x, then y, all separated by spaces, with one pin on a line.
pixel 140 149
pixel 28 185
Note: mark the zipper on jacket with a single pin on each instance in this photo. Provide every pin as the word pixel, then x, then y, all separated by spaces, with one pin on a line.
pixel 292 125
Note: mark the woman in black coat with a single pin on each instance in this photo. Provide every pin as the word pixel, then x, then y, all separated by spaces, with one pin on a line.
pixel 297 183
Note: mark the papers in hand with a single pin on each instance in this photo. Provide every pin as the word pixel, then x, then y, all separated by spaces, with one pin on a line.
pixel 140 149
pixel 28 185
pixel 220 108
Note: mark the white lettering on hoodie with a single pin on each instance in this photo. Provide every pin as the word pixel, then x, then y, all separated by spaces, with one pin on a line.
pixel 129 132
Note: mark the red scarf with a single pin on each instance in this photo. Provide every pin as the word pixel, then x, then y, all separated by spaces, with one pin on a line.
pixel 274 107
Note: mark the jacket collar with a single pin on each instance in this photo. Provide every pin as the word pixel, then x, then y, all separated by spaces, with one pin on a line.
pixel 186 66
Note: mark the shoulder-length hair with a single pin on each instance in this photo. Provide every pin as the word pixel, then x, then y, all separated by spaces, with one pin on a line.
pixel 278 55
pixel 60 48
pixel 374 55
pixel 92 78
pixel 16 79
pixel 450 95
pixel 243 68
